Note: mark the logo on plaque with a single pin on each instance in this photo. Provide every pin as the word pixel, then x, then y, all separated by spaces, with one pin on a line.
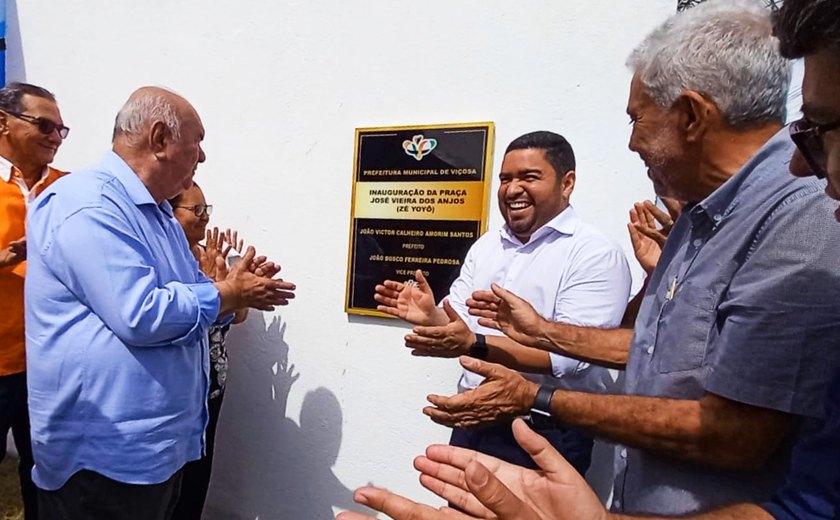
pixel 418 147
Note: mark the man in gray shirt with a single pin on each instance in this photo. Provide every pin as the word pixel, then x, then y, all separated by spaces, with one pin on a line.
pixel 732 347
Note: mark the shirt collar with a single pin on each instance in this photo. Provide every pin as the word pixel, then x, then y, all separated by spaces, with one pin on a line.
pixel 565 223
pixel 6 170
pixel 717 204
pixel 134 187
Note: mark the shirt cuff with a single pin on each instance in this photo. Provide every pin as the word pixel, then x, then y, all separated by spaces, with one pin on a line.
pixel 562 365
pixel 208 302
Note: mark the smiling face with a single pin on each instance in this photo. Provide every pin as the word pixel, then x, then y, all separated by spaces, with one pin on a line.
pixel 656 139
pixel 25 138
pixel 530 192
pixel 194 227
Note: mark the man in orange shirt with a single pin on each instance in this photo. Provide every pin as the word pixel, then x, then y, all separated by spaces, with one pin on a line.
pixel 31 130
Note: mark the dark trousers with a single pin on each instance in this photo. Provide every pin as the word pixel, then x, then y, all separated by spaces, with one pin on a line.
pixel 498 441
pixel 91 496
pixel 197 473
pixel 14 415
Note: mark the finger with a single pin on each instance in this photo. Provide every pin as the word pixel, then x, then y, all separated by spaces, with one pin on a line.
pixel 420 277
pixel 489 323
pixel 485 296
pixel 542 452
pixel 446 418
pixel 634 216
pixel 395 506
pixel 652 234
pixel 394 286
pixel 450 312
pixel 388 309
pixel 421 341
pixel 430 332
pixel 495 495
pixel 444 471
pixel 635 236
pixel 660 216
pixel 481 367
pixel 482 305
pixel 503 294
pixel 483 313
pixel 385 301
pixel 460 497
pixel 246 259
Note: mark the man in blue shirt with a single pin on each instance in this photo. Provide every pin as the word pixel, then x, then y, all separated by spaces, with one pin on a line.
pixel 117 315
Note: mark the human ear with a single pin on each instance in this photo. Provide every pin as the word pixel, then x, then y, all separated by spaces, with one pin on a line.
pixel 697 114
pixel 158 135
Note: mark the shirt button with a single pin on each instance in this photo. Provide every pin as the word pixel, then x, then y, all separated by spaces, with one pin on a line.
pixel 697 242
pixel 617 503
pixel 717 218
pixel 650 349
pixel 623 453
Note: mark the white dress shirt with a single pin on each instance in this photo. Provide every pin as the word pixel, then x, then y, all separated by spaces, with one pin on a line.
pixel 569 271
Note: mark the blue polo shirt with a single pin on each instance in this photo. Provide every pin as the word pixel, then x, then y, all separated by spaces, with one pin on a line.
pixel 117 315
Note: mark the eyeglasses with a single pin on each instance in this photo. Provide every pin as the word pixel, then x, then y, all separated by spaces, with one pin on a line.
pixel 45 126
pixel 807 136
pixel 199 209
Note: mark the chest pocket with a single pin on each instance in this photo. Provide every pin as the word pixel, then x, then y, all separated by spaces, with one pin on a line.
pixel 685 325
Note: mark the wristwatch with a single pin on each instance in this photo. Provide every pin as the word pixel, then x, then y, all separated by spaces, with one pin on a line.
pixel 540 417
pixel 478 349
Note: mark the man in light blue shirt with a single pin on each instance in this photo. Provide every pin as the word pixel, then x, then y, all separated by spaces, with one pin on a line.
pixel 117 314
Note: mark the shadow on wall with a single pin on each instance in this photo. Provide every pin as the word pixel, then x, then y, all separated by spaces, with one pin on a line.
pixel 15 67
pixel 267 466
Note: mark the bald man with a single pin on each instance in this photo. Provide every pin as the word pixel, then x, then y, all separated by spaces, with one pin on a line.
pixel 117 318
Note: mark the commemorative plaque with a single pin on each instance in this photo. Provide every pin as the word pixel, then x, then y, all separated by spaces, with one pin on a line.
pixel 420 200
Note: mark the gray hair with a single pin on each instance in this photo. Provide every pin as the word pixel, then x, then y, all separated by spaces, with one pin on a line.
pixel 144 108
pixel 724 50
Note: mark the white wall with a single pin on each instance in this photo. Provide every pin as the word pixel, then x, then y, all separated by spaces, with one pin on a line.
pixel 280 86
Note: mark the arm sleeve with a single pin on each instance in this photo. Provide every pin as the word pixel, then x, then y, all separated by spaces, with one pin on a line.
pixel 778 322
pixel 595 296
pixel 462 287
pixel 812 488
pixel 99 256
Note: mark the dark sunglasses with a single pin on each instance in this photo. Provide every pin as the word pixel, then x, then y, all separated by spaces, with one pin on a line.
pixel 199 209
pixel 807 136
pixel 45 126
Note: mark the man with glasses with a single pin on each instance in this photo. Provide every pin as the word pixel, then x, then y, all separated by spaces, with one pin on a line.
pixel 31 130
pixel 735 341
pixel 492 489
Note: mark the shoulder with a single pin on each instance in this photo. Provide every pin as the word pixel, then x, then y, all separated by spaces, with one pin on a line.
pixel 591 242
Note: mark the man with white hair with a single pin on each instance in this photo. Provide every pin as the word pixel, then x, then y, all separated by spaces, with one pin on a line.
pixel 733 345
pixel 117 315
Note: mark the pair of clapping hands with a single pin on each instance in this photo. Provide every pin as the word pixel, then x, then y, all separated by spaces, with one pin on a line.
pixel 484 487
pixel 251 278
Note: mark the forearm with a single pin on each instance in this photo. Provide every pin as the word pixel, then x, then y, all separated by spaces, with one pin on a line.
pixel 711 432
pixel 605 347
pixel 505 351
pixel 736 512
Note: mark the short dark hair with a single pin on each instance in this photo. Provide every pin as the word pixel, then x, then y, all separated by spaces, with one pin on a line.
pixel 806 26
pixel 558 151
pixel 11 94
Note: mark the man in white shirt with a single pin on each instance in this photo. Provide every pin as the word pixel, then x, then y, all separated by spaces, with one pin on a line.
pixel 565 268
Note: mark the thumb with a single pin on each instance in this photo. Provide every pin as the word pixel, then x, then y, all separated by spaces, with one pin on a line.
pixel 421 279
pixel 494 495
pixel 450 312
pixel 478 366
